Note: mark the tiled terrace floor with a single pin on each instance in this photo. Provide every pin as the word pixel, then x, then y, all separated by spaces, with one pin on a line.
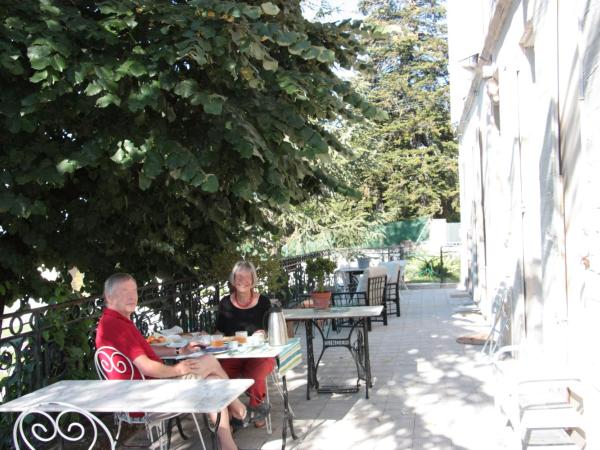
pixel 429 392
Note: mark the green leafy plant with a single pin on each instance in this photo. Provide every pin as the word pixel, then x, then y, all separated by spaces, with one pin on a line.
pixel 318 270
pixel 272 276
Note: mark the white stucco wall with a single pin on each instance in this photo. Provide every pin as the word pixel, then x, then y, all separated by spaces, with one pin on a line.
pixel 529 181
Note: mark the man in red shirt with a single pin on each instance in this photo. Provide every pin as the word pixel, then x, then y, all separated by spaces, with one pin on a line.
pixel 115 329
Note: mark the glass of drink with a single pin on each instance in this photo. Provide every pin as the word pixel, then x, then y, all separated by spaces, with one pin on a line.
pixel 216 340
pixel 241 337
pixel 259 338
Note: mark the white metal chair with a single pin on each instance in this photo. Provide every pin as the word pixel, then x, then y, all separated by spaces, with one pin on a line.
pixel 112 364
pixel 37 426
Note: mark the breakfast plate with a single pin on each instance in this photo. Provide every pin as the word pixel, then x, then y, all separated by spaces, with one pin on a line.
pixel 215 350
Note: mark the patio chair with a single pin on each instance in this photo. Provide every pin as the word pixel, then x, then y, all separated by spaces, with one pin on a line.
pixel 392 287
pixel 38 427
pixel 533 387
pixel 111 364
pixel 370 291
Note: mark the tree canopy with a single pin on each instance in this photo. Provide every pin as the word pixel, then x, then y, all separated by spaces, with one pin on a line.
pixel 413 169
pixel 149 136
pixel 405 166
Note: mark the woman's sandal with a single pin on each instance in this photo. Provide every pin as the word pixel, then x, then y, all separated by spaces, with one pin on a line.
pixel 259 414
pixel 237 424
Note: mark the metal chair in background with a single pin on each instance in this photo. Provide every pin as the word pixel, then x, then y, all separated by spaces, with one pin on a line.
pixel 370 291
pixel 111 364
pixel 392 287
pixel 44 423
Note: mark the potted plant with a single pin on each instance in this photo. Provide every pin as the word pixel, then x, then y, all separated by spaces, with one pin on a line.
pixel 318 270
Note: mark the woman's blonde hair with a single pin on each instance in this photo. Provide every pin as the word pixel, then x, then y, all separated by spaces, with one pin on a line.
pixel 240 266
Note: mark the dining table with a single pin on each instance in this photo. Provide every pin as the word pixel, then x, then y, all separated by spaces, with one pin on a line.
pixel 356 341
pixel 286 357
pixel 166 395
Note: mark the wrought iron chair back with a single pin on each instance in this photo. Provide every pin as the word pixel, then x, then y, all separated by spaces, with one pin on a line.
pixel 392 288
pixel 376 287
pixel 111 364
pixel 38 425
pixel 370 291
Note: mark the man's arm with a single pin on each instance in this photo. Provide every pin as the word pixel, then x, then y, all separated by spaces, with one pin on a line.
pixel 204 366
pixel 191 347
pixel 155 369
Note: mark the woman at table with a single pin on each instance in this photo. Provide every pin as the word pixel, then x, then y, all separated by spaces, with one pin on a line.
pixel 244 309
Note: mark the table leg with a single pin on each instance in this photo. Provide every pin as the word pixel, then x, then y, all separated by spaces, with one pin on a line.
pixel 310 356
pixel 288 418
pixel 367 362
pixel 213 429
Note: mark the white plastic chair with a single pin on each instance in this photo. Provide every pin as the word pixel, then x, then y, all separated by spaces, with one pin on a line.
pixel 38 425
pixel 532 391
pixel 112 364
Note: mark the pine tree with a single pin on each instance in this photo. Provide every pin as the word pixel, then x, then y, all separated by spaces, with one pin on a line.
pixel 410 161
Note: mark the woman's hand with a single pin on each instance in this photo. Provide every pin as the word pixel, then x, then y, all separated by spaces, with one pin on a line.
pixel 187 366
pixel 190 347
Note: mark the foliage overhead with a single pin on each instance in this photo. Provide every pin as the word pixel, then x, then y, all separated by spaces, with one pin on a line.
pixel 150 136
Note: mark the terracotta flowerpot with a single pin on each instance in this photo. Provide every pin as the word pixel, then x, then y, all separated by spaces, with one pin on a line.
pixel 321 300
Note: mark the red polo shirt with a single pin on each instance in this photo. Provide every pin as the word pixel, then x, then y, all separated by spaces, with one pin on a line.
pixel 116 330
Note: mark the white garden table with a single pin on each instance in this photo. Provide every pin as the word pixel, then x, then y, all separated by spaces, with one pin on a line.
pixel 130 396
pixel 148 396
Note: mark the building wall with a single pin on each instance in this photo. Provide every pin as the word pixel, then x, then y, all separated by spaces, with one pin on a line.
pixel 527 116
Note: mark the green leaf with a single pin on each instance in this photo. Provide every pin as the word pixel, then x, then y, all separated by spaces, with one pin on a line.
pixel 326 56
pixel 186 88
pixel 286 38
pixel 133 68
pixel 299 47
pixel 108 99
pixel 311 53
pixel 270 64
pixel 39 76
pixel 270 9
pixel 252 12
pixel 210 184
pixel 213 105
pixel 176 159
pixel 93 88
pixel 119 156
pixel 58 62
pixel 245 149
pixel 41 63
pixel 143 181
pixel 67 166
pixel 256 50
